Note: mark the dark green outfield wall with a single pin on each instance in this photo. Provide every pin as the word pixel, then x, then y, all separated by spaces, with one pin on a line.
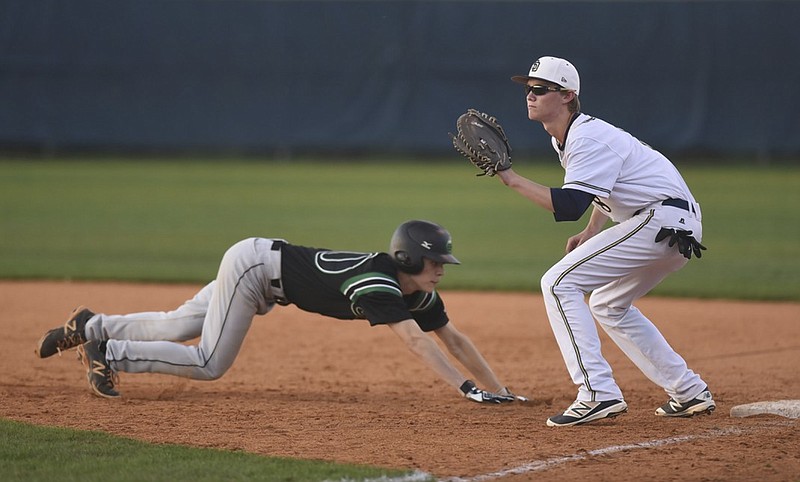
pixel 270 77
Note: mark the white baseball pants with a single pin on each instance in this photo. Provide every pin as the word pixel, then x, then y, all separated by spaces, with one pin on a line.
pixel 618 266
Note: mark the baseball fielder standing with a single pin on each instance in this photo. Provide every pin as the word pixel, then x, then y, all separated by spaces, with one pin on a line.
pixel 658 228
pixel 395 289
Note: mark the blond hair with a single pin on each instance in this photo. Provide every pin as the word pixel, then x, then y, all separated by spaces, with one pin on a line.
pixel 574 105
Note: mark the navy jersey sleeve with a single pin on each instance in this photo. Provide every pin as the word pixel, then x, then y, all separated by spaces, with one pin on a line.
pixel 569 204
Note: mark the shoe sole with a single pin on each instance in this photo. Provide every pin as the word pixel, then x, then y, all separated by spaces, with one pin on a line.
pixel 98 392
pixel 704 410
pixel 588 419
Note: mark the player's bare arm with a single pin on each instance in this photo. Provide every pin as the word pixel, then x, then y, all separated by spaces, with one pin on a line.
pixel 428 350
pixel 535 192
pixel 462 348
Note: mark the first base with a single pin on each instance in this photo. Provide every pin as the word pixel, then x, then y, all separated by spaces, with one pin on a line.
pixel 784 408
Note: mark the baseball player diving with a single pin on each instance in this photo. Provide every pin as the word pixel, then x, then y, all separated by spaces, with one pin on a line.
pixel 657 229
pixel 395 289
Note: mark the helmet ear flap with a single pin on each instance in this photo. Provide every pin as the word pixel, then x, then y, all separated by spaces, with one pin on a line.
pixel 402 258
pixel 406 263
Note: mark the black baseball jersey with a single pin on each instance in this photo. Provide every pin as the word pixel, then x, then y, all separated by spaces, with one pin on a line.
pixel 350 285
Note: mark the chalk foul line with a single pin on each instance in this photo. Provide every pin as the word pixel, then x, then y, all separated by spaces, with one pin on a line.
pixel 540 465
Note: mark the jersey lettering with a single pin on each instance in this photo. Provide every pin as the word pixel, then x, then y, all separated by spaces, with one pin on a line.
pixel 338 262
pixel 358 312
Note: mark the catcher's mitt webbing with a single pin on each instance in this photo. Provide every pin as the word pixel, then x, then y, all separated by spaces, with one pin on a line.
pixel 481 139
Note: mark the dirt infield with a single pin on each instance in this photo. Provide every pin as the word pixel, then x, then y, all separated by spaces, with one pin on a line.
pixel 311 387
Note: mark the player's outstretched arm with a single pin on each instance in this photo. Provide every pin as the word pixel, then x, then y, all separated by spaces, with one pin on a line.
pixel 537 193
pixel 465 351
pixel 426 349
pixel 462 348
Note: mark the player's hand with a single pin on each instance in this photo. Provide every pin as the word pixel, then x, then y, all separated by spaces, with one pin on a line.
pixel 506 392
pixel 471 392
pixel 573 242
pixel 578 239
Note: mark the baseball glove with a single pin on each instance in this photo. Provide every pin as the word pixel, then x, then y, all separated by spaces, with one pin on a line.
pixel 481 139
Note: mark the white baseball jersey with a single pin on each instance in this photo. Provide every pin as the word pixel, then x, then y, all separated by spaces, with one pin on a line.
pixel 624 174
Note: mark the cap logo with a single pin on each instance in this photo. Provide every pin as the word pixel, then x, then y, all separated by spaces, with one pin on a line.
pixel 426 245
pixel 564 80
pixel 535 66
pixel 449 246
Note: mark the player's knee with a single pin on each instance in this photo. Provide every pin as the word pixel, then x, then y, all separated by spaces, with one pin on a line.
pixel 548 281
pixel 554 283
pixel 214 369
pixel 212 373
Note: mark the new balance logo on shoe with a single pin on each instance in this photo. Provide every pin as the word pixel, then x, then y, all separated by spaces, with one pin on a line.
pixel 704 403
pixel 580 409
pixel 676 406
pixel 582 412
pixel 101 377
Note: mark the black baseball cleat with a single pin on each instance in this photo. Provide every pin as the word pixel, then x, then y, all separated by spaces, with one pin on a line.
pixel 582 412
pixel 100 375
pixel 71 335
pixel 703 403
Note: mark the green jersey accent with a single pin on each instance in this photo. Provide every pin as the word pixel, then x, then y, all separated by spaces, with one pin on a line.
pixel 371 282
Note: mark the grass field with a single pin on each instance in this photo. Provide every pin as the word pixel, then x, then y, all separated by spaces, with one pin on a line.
pixel 31 453
pixel 171 220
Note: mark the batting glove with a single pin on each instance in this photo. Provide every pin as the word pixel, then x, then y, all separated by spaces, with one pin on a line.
pixel 687 244
pixel 506 392
pixel 475 394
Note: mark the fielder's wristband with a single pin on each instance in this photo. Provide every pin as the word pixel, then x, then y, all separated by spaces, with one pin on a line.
pixel 467 387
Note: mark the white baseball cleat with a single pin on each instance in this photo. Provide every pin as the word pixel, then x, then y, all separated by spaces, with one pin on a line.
pixel 582 412
pixel 704 403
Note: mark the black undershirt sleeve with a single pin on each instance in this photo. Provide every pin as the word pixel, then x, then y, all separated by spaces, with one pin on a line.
pixel 569 204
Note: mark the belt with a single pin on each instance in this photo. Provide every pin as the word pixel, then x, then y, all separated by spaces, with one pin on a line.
pixel 676 203
pixel 277 245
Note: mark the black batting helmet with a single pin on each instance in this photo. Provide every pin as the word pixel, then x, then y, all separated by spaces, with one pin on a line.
pixel 414 240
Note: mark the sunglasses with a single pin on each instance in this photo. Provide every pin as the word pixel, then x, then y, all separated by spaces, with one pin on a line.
pixel 542 89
